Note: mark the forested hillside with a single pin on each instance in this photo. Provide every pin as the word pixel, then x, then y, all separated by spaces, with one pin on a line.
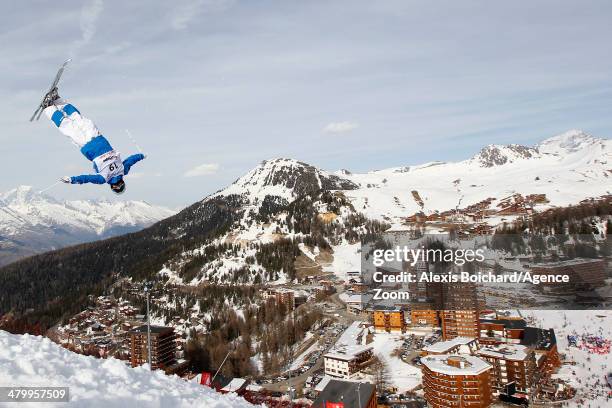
pixel 44 288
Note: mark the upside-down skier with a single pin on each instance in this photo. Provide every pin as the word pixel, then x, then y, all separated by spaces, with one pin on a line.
pixel 107 163
pixel 86 136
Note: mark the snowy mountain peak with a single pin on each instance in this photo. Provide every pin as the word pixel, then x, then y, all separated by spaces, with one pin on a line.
pixel 568 142
pixel 564 144
pixel 286 178
pixel 498 155
pixel 23 195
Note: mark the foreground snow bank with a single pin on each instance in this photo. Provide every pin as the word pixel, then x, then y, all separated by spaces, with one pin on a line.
pixel 37 361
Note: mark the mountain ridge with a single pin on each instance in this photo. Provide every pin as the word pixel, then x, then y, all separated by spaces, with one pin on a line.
pixel 550 167
pixel 32 222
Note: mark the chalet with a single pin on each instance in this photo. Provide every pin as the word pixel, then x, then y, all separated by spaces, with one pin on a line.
pixel 537 199
pixel 388 319
pixel 359 287
pixel 435 217
pixel 421 314
pixel 416 218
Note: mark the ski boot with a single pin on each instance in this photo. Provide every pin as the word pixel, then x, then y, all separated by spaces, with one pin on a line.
pixel 49 98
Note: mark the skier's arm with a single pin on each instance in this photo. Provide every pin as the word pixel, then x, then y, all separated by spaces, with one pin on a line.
pixel 87 178
pixel 130 161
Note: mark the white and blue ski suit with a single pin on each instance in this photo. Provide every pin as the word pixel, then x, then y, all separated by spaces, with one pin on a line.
pixel 84 134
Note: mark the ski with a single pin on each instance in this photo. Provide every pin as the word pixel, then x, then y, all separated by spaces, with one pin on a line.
pixel 54 84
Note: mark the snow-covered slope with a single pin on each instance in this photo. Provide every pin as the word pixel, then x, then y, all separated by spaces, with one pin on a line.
pixel 36 361
pixel 567 168
pixel 31 222
pixel 588 373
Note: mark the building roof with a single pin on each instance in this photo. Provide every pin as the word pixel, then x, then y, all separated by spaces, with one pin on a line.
pixel 228 384
pixel 470 365
pixel 254 388
pixel 507 314
pixel 388 269
pixel 386 308
pixel 323 383
pixel 359 298
pixel 568 262
pixel 234 385
pixel 347 353
pixel 350 393
pixel 154 329
pixel 511 324
pixel 347 347
pixel 540 339
pixel 514 352
pixel 443 346
pixel 280 290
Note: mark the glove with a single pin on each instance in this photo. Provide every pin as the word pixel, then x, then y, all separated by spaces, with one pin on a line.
pixel 66 180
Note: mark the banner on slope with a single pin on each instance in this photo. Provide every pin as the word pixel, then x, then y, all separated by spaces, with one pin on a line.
pixel 205 380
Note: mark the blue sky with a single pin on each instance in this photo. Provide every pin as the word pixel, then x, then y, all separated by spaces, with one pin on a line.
pixel 210 88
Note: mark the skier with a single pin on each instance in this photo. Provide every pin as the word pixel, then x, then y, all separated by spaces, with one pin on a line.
pixel 86 136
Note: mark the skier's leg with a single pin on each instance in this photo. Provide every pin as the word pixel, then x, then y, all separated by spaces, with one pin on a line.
pixel 69 121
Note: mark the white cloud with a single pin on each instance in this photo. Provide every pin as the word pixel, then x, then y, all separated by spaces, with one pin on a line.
pixel 188 10
pixel 88 22
pixel 205 169
pixel 340 127
pixel 89 19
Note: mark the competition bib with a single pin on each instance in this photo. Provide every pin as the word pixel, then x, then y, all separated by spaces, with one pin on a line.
pixel 109 165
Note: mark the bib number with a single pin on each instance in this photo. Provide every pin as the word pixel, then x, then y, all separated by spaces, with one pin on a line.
pixel 109 165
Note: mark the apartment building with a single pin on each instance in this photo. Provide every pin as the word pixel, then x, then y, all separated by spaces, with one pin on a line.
pixel 452 381
pixel 163 347
pixel 388 319
pixel 512 363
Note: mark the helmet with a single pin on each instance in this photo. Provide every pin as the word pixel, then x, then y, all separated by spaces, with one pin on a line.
pixel 118 186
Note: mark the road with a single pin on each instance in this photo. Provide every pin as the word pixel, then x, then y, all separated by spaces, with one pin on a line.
pixel 336 310
pixel 295 382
